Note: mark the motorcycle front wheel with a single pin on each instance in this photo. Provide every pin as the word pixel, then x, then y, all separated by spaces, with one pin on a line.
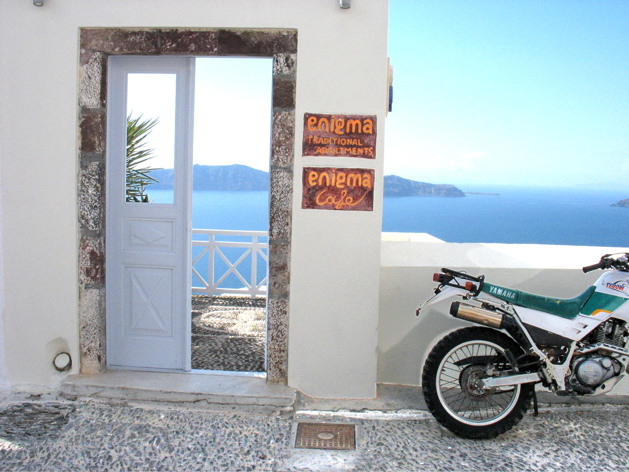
pixel 453 390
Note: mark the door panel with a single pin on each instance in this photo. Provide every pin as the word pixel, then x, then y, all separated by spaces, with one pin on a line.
pixel 149 292
pixel 148 244
pixel 148 236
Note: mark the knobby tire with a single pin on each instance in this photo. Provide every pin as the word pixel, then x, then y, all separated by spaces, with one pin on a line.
pixel 448 377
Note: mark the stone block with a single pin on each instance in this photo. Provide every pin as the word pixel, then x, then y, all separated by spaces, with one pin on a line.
pixel 118 41
pixel 283 92
pixel 281 197
pixel 283 142
pixel 285 64
pixel 91 197
pixel 277 341
pixel 92 261
pixel 279 269
pixel 256 42
pixel 92 330
pixel 92 129
pixel 93 80
pixel 197 42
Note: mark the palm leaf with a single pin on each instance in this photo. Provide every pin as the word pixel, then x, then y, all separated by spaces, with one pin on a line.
pixel 138 154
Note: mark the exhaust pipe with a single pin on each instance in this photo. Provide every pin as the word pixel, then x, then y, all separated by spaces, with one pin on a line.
pixel 476 314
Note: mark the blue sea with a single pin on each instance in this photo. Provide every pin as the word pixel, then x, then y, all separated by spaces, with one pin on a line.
pixel 563 216
pixel 556 216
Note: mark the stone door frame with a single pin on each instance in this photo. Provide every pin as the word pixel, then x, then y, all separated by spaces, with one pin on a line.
pixel 96 44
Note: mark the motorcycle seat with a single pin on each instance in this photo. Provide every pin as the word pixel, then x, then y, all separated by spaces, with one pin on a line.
pixel 568 309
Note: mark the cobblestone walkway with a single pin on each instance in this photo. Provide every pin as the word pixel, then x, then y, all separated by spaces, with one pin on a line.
pixel 89 436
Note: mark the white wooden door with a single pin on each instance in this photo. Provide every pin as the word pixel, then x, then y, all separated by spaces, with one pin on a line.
pixel 148 244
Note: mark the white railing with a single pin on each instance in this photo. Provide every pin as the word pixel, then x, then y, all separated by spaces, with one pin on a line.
pixel 229 262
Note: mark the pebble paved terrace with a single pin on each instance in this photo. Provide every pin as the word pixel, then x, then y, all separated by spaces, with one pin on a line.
pixel 82 436
pixel 228 333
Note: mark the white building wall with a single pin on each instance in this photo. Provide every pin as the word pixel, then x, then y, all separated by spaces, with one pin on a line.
pixel 4 377
pixel 352 309
pixel 335 256
pixel 408 263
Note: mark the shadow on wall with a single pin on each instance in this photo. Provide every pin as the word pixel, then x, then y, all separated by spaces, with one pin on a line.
pixel 405 339
pixel 403 362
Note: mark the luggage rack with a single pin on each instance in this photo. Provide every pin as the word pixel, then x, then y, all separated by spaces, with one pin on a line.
pixel 450 277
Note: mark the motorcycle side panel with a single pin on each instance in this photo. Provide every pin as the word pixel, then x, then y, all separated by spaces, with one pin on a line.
pixel 572 329
pixel 622 313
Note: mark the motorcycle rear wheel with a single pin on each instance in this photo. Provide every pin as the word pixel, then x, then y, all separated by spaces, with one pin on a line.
pixel 452 390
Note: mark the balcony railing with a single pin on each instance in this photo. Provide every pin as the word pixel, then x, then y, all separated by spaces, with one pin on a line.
pixel 229 262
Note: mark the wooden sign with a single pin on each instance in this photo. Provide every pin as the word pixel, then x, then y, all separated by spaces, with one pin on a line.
pixel 327 188
pixel 339 135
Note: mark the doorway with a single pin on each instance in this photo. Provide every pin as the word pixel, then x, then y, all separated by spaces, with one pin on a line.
pixel 179 195
pixel 96 45
pixel 230 213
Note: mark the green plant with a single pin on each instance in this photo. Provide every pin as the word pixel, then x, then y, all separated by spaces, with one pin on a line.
pixel 137 155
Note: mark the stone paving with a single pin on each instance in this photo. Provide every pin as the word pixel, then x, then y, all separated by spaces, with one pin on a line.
pixel 228 333
pixel 95 436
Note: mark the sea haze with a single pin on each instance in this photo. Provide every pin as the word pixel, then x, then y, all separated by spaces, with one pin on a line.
pixel 561 216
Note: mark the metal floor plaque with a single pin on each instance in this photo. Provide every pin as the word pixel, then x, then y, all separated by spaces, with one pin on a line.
pixel 325 436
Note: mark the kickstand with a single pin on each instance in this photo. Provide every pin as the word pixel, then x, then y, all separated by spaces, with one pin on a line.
pixel 535 409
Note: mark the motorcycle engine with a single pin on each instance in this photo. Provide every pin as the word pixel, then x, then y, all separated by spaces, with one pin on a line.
pixel 590 372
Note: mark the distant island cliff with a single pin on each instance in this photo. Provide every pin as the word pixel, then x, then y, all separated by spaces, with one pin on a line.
pixel 622 203
pixel 237 177
pixel 395 186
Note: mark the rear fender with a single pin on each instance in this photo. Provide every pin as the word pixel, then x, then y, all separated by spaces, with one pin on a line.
pixel 441 294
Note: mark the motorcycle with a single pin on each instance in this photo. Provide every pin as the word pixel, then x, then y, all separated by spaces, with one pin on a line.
pixel 479 381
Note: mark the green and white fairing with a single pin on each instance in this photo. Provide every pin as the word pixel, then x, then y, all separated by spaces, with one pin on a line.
pixel 570 318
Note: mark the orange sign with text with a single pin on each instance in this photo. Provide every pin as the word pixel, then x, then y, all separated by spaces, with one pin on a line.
pixel 339 135
pixel 327 188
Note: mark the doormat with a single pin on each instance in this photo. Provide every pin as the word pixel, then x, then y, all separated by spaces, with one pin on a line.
pixel 326 436
pixel 33 420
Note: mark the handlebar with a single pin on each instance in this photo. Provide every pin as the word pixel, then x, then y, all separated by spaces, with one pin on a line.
pixel 592 267
pixel 617 261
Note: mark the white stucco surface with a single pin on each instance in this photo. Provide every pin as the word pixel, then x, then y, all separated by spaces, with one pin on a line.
pixel 4 379
pixel 352 295
pixel 341 69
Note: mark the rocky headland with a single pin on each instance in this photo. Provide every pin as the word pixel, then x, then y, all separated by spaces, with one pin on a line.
pixel 395 186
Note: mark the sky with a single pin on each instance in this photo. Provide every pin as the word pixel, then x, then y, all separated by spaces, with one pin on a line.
pixel 232 111
pixel 486 92
pixel 516 92
pixel 241 132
